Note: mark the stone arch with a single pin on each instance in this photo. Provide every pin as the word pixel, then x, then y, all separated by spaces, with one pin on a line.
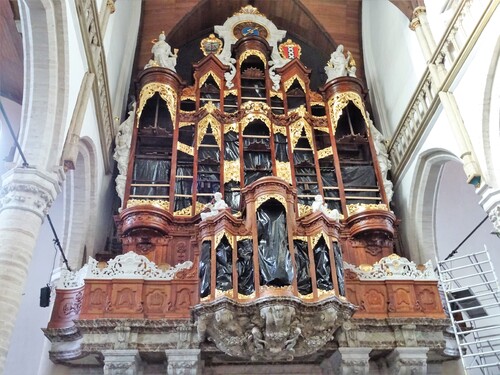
pixel 80 198
pixel 491 118
pixel 44 28
pixel 423 201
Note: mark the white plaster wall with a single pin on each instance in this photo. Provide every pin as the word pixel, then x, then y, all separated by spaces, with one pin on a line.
pixel 393 61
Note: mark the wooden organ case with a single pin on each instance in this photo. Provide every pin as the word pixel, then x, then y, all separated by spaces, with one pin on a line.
pixel 304 243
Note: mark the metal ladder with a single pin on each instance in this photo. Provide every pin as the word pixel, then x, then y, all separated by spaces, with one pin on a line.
pixel 472 296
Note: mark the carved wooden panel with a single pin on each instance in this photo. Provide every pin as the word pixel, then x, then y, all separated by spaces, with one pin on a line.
pixel 96 299
pixel 428 299
pixel 67 307
pixel 126 299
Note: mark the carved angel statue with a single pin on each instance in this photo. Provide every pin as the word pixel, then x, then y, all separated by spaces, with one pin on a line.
pixel 162 53
pixel 320 205
pixel 339 65
pixel 215 207
pixel 122 150
pixel 382 156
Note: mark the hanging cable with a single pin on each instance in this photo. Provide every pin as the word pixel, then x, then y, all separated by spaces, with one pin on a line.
pixel 26 165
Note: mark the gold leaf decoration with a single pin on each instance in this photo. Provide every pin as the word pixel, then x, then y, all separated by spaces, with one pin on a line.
pixel 252 52
pixel 241 238
pixel 283 171
pixel 205 76
pixel 304 209
pixel 296 132
pixel 203 127
pixel 231 128
pixel 289 82
pixel 264 198
pixel 186 211
pixel 339 101
pixel 279 129
pixel 150 202
pixel 358 207
pixel 185 148
pixel 166 92
pixel 231 92
pixel 232 171
pixel 325 152
pixel 199 207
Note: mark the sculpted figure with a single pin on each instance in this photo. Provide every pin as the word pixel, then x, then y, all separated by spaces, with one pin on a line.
pixel 339 65
pixel 228 76
pixel 163 55
pixel 383 158
pixel 320 205
pixel 214 207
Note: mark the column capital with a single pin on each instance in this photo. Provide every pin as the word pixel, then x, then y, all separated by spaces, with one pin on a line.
pixel 408 360
pixel 350 360
pixel 183 361
pixel 418 11
pixel 124 362
pixel 414 24
pixel 30 189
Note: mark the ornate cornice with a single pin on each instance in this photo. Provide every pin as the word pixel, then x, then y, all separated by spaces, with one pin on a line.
pixel 91 34
pixel 30 190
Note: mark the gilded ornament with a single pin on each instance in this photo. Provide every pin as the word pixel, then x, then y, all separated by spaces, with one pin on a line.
pixel 243 296
pixel 210 107
pixel 166 92
pixel 199 207
pixel 231 92
pixel 290 50
pixel 183 124
pixel 263 198
pixel 339 101
pixel 150 202
pixel 304 209
pixel 326 293
pixel 218 238
pixel 316 98
pixel 252 52
pixel 358 207
pixel 289 82
pixel 276 93
pixel 203 127
pixel 283 171
pixel 231 128
pixel 315 239
pixel 255 116
pixel 205 76
pixel 279 129
pixel 186 211
pixel 248 9
pixel 301 111
pixel 324 129
pixel 255 107
pixel 296 132
pixel 223 293
pixel 300 238
pixel 232 171
pixel 306 296
pixel 325 152
pixel 212 44
pixel 185 148
pixel 365 267
pixel 241 238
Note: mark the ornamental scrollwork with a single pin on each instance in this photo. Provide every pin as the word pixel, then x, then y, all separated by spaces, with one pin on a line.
pixel 325 152
pixel 186 211
pixel 359 207
pixel 289 82
pixel 205 76
pixel 252 52
pixel 203 127
pixel 160 203
pixel 185 148
pixel 339 101
pixel 166 92
pixel 265 198
pixel 232 171
pixel 284 171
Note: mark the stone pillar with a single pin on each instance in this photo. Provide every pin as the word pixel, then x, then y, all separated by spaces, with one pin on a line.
pixel 183 362
pixel 122 362
pixel 420 25
pixel 25 197
pixel 408 361
pixel 348 361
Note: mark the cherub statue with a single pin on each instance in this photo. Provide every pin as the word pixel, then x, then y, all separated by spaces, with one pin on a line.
pixel 339 65
pixel 162 53
pixel 215 207
pixel 320 205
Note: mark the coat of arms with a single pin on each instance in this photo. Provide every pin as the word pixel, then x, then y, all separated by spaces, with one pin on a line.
pixel 290 50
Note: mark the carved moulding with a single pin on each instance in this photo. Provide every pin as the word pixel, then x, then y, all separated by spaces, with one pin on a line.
pixel 270 328
pixel 393 267
pixel 370 220
pixel 166 92
pixel 339 101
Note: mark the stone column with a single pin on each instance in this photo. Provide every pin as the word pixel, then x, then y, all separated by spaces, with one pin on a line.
pixel 25 197
pixel 183 362
pixel 348 361
pixel 408 361
pixel 122 362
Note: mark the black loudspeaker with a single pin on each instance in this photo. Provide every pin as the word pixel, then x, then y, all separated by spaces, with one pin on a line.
pixel 45 296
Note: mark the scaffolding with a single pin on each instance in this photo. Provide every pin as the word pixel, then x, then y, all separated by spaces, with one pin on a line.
pixel 471 291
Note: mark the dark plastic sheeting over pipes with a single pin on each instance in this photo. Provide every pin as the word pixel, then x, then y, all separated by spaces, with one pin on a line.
pixel 339 267
pixel 204 268
pixel 223 279
pixel 245 267
pixel 302 262
pixel 275 261
pixel 323 268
